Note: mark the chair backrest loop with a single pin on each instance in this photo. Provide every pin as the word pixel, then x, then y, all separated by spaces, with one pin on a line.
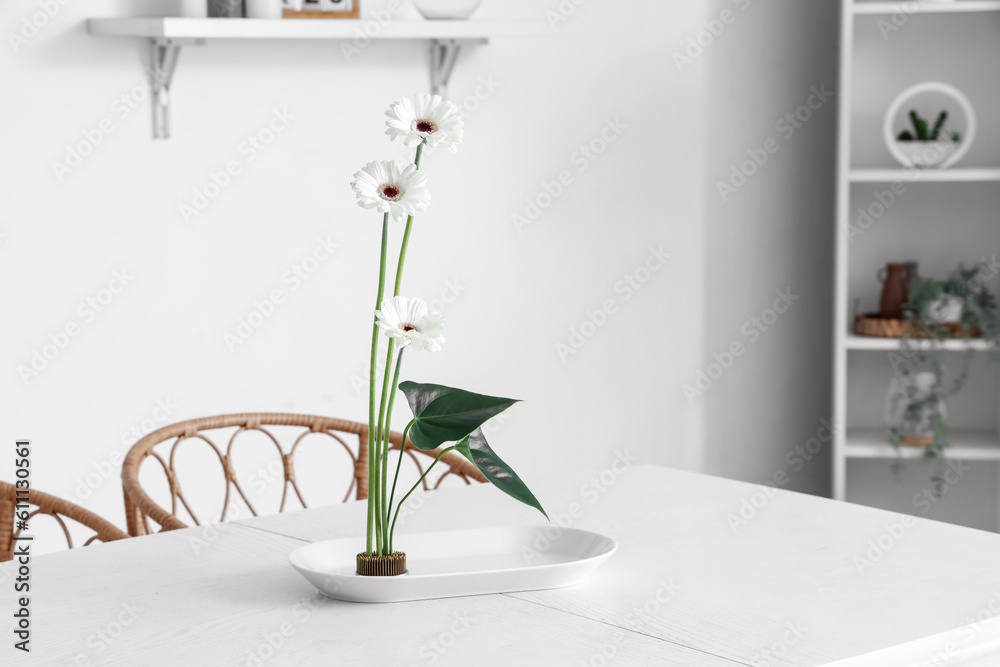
pixel 52 506
pixel 139 507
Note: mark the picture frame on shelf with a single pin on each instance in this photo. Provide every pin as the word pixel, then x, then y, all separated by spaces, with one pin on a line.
pixel 321 9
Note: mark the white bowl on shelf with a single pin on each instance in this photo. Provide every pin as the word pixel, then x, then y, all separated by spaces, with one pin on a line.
pixel 447 9
pixel 925 154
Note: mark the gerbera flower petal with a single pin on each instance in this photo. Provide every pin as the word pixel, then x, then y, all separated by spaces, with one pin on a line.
pixel 386 187
pixel 410 322
pixel 426 119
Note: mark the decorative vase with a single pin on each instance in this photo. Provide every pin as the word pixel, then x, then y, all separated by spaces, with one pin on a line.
pixel 225 9
pixel 447 9
pixel 382 566
pixel 895 288
pixel 915 427
pixel 263 9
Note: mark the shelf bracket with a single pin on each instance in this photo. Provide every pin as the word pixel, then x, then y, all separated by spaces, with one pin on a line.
pixel 444 54
pixel 165 53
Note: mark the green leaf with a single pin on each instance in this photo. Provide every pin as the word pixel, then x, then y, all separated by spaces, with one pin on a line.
pixel 443 414
pixel 919 126
pixel 476 449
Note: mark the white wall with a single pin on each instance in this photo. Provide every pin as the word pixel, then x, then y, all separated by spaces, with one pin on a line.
pixel 162 337
pixel 774 232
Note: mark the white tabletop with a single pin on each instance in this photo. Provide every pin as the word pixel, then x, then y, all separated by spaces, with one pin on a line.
pixel 799 583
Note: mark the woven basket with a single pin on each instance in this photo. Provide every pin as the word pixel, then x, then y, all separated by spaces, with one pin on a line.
pixel 916 441
pixel 883 327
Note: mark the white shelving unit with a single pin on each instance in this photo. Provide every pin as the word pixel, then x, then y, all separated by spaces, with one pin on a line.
pixel 875 64
pixel 168 35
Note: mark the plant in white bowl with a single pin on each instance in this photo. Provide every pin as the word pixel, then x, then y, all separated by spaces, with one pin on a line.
pixel 928 146
pixel 444 418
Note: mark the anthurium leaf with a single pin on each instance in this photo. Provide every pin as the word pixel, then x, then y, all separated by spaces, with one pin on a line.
pixel 476 449
pixel 443 414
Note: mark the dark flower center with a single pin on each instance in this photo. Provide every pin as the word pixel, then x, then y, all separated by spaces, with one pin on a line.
pixel 390 192
pixel 408 328
pixel 426 126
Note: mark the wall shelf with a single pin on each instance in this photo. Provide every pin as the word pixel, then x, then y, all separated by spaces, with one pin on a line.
pixel 918 7
pixel 958 175
pixel 856 342
pixel 167 36
pixel 183 28
pixel 871 443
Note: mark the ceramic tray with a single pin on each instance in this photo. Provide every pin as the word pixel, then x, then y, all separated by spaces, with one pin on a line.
pixel 465 562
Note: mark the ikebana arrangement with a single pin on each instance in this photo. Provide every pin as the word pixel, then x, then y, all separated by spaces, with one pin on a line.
pixel 960 306
pixel 441 415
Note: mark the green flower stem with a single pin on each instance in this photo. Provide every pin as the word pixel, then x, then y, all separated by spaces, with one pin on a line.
pixel 395 516
pixel 406 234
pixel 387 508
pixel 383 434
pixel 420 151
pixel 375 513
pixel 399 463
pixel 373 472
pixel 372 387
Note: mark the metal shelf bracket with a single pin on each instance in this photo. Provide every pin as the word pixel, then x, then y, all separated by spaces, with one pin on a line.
pixel 163 64
pixel 444 55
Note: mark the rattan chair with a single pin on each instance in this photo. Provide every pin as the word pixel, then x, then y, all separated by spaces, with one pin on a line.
pixel 140 508
pixel 57 508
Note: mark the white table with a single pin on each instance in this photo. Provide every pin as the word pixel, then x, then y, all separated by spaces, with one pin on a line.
pixel 684 589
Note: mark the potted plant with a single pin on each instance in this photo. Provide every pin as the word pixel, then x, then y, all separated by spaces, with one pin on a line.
pixel 927 146
pixel 444 418
pixel 959 307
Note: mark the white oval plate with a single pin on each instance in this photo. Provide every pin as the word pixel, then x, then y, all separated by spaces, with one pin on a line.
pixel 463 562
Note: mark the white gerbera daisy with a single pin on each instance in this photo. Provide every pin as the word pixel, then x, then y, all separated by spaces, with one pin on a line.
pixel 411 322
pixel 389 189
pixel 427 118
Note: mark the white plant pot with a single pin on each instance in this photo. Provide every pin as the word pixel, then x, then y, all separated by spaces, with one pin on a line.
pixel 930 155
pixel 904 391
pixel 926 154
pixel 263 9
pixel 447 9
pixel 946 309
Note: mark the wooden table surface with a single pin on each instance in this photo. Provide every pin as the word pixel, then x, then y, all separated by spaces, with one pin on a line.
pixel 709 573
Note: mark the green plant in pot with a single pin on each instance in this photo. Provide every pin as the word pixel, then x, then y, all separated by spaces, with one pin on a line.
pixel 927 145
pixel 959 307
